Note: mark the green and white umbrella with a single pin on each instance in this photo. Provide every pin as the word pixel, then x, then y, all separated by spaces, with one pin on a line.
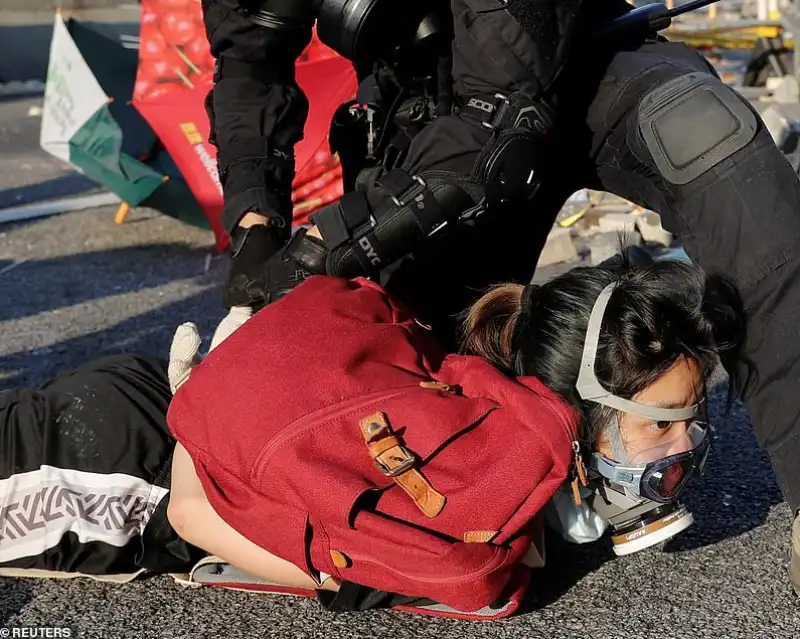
pixel 88 122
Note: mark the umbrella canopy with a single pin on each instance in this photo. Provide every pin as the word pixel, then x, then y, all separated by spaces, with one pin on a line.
pixel 88 122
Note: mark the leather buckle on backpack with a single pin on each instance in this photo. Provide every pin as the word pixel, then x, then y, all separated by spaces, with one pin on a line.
pixel 407 463
pixel 382 442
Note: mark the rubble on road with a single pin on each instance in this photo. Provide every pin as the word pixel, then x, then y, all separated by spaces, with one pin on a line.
pixel 592 226
pixel 599 247
pixel 649 227
pixel 617 222
pixel 558 248
pixel 783 123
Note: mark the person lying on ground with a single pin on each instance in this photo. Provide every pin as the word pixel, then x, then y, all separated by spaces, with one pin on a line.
pixel 93 481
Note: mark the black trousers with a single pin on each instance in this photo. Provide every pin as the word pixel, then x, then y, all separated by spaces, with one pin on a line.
pixel 741 218
pixel 85 465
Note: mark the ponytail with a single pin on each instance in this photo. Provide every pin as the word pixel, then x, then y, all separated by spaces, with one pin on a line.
pixel 489 325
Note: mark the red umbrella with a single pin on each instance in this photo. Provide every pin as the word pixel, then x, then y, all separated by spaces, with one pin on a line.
pixel 173 79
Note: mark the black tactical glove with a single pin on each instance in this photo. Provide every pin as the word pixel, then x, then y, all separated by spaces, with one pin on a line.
pixel 302 257
pixel 251 248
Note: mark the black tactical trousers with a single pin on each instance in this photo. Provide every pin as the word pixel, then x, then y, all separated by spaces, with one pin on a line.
pixel 740 218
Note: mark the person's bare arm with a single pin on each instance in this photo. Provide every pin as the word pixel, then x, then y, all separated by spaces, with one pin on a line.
pixel 195 521
pixel 256 219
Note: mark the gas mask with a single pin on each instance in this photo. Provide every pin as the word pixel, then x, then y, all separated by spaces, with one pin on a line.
pixel 637 492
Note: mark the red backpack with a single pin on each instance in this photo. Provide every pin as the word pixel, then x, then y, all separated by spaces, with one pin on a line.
pixel 332 431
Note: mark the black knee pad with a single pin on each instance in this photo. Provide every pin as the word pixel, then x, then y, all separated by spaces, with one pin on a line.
pixel 692 123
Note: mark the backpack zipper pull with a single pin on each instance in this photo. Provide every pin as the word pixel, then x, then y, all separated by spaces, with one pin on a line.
pixel 579 474
pixel 441 386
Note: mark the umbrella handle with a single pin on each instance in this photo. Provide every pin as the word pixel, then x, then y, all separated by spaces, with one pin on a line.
pixel 122 213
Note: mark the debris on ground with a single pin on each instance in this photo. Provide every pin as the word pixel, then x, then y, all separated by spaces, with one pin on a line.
pixel 558 248
pixel 593 225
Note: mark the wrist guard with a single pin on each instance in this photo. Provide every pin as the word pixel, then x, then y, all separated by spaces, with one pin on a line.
pixel 308 252
pixel 363 240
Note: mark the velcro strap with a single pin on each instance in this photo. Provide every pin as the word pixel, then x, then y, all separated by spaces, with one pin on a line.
pixel 307 251
pixel 517 110
pixel 330 222
pixel 355 209
pixel 396 462
pixel 414 194
pixel 521 111
pixel 397 183
pixel 337 221
pixel 252 149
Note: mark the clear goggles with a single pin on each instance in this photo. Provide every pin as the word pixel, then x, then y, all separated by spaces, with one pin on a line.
pixel 663 479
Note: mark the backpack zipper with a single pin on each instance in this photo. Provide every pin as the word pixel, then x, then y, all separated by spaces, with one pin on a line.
pixel 322 414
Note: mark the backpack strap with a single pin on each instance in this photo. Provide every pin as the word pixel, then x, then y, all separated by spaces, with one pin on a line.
pixel 396 462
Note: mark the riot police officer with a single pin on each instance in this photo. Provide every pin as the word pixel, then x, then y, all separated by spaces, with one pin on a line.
pixel 462 183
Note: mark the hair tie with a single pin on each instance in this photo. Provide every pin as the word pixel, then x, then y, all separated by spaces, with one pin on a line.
pixel 518 340
pixel 528 293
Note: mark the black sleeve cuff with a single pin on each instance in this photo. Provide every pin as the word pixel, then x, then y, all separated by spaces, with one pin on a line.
pixel 261 200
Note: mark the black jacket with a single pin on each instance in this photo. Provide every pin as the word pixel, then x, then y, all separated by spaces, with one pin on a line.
pixel 258 112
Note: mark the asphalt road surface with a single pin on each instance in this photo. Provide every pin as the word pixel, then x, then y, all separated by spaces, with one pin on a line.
pixel 77 286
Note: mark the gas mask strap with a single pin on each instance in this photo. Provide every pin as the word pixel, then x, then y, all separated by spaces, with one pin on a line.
pixel 614 435
pixel 589 387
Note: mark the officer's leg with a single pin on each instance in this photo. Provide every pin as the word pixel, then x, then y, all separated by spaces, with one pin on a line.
pixel 669 135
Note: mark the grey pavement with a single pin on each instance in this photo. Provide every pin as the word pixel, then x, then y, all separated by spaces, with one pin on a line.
pixel 77 286
pixel 27 173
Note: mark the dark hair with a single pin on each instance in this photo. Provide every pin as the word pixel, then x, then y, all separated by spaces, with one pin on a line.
pixel 658 312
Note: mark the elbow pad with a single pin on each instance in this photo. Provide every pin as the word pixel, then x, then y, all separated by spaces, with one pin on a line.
pixel 362 239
